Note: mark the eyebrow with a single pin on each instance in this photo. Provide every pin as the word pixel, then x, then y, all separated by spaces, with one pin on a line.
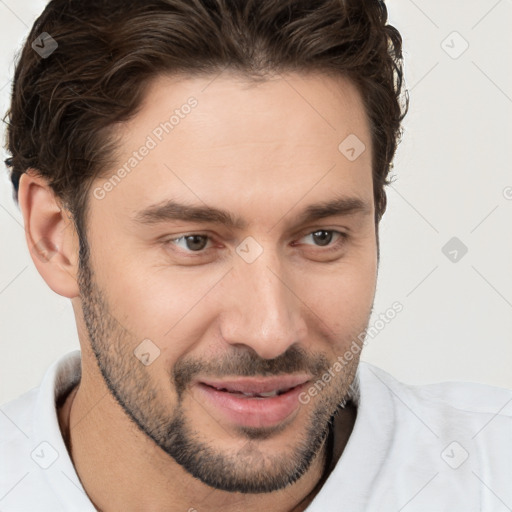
pixel 172 210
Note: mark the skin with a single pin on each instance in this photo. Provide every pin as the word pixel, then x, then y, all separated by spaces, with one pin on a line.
pixel 263 153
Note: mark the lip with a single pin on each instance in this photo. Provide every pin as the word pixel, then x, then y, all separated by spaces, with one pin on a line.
pixel 253 411
pixel 257 385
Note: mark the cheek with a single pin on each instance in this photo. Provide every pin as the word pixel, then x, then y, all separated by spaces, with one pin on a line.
pixel 166 305
pixel 342 297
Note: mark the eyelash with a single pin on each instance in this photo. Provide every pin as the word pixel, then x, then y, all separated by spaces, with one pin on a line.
pixel 326 249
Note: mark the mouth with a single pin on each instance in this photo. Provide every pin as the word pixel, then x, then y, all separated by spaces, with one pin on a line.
pixel 275 392
pixel 253 402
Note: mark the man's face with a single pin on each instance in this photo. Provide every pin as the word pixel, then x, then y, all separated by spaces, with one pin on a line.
pixel 238 320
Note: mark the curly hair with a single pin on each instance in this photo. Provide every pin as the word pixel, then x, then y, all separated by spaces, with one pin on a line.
pixel 64 107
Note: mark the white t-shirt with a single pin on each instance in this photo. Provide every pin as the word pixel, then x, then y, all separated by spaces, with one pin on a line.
pixel 431 448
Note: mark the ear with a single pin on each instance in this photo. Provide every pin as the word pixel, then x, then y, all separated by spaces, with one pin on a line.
pixel 50 234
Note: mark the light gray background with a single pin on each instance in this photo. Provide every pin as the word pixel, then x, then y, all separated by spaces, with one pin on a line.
pixel 453 179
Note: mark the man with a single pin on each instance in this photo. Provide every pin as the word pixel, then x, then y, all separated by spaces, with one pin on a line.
pixel 204 179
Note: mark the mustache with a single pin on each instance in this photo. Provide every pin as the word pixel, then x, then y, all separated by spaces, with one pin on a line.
pixel 247 363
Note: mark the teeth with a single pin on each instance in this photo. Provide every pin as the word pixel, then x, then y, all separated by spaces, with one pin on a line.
pixel 270 393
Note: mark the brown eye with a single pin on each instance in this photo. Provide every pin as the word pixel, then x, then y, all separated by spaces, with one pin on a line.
pixel 190 243
pixel 324 237
pixel 196 242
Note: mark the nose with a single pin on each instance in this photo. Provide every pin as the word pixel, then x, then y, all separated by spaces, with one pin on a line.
pixel 261 308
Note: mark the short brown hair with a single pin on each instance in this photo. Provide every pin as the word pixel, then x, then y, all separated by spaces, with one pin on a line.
pixel 64 106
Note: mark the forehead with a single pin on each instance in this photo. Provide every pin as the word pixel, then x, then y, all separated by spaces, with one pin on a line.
pixel 219 138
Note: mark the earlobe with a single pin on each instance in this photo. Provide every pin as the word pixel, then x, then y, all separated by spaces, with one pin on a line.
pixel 50 234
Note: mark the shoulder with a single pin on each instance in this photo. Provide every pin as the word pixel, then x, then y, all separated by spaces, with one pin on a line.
pixel 36 472
pixel 444 446
pixel 441 419
pixel 16 425
pixel 17 453
pixel 464 397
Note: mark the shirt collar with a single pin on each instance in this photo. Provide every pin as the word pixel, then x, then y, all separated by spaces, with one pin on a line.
pixel 59 472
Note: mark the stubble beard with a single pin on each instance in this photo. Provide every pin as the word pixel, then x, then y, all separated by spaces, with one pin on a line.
pixel 250 469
